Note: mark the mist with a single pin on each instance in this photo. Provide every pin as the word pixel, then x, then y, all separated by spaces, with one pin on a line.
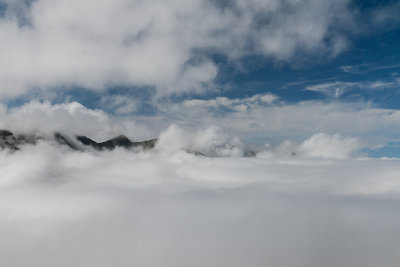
pixel 170 207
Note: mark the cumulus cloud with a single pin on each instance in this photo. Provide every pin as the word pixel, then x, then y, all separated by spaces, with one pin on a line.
pixel 326 146
pixel 210 141
pixel 318 146
pixel 95 44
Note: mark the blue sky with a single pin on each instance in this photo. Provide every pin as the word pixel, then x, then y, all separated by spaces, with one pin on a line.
pixel 137 61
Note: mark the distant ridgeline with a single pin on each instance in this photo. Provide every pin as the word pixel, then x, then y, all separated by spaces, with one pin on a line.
pixel 13 142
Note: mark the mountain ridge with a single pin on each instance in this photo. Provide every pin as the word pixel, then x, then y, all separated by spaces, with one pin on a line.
pixel 11 142
pixel 80 142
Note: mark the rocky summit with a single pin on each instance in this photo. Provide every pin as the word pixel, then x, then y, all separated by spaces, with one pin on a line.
pixel 119 141
pixel 8 140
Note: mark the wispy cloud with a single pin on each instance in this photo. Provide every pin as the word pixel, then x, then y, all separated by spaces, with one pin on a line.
pixel 238 104
pixel 338 88
pixel 335 89
pixel 366 68
pixel 121 104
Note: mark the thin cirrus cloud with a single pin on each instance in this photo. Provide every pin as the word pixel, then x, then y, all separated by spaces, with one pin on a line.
pixel 339 88
pixel 96 44
pixel 363 69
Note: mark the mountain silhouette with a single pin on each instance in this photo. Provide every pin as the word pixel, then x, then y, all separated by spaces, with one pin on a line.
pixel 119 141
pixel 11 142
pixel 8 140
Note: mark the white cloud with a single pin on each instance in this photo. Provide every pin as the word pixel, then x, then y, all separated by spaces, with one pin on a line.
pixel 329 146
pixel 96 44
pixel 335 89
pixel 357 69
pixel 268 98
pixel 210 141
pixel 367 67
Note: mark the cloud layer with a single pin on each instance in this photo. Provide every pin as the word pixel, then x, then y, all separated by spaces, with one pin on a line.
pixel 60 207
pixel 97 44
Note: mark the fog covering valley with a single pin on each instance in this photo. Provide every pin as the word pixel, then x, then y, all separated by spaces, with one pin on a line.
pixel 321 201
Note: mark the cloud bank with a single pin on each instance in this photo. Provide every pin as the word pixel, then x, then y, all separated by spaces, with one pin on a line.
pixel 315 202
pixel 62 207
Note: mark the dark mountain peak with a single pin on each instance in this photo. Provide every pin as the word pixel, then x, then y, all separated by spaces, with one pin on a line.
pixel 62 140
pixel 121 139
pixel 28 138
pixel 118 141
pixel 87 141
pixel 5 133
pixel 148 144
pixel 8 140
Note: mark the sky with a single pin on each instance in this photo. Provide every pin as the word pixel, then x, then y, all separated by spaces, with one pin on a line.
pixel 310 86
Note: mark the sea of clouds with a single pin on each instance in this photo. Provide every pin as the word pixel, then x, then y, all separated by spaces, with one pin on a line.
pixel 308 197
pixel 318 202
